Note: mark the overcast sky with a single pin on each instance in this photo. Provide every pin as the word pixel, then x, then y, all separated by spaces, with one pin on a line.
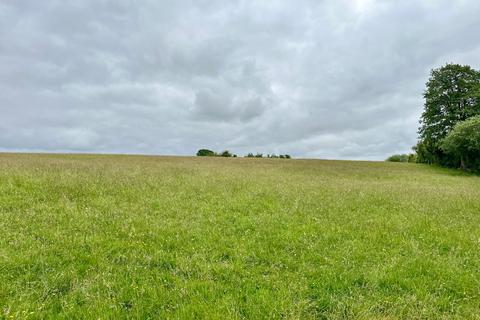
pixel 317 79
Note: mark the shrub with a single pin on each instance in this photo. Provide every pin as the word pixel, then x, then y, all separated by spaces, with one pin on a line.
pixel 463 144
pixel 226 154
pixel 205 153
pixel 425 153
pixel 274 156
pixel 412 157
pixel 398 158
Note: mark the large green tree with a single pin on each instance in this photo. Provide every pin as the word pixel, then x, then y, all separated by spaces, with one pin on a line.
pixel 452 95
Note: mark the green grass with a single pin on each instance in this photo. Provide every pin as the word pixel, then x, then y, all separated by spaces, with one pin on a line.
pixel 94 236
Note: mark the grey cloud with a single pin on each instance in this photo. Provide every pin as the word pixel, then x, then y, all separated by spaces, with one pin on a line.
pixel 326 79
pixel 218 106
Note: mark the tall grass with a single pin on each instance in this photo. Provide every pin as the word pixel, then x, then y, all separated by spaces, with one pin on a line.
pixel 92 236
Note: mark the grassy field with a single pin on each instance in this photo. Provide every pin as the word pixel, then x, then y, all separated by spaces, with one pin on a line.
pixel 94 236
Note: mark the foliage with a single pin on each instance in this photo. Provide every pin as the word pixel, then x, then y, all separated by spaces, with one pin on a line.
pixel 226 154
pixel 423 154
pixel 452 95
pixel 210 153
pixel 463 143
pixel 87 237
pixel 205 153
pixel 412 158
pixel 398 158
pixel 402 158
pixel 271 156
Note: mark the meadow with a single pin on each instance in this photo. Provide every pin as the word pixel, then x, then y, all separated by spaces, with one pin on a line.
pixel 113 237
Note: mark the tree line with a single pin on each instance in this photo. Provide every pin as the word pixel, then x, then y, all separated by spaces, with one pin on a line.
pixel 449 132
pixel 228 154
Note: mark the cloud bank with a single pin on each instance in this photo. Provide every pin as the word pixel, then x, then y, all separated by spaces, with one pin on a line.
pixel 318 79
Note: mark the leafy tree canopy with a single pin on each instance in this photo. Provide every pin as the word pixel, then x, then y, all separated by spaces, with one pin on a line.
pixel 226 154
pixel 205 153
pixel 452 95
pixel 463 143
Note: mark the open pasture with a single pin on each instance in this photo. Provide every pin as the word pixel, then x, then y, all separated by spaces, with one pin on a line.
pixel 106 236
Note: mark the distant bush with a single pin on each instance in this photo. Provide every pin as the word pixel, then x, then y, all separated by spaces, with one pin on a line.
pixel 205 153
pixel 412 157
pixel 403 158
pixel 462 144
pixel 226 154
pixel 271 156
pixel 424 153
pixel 281 156
pixel 210 153
pixel 398 158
